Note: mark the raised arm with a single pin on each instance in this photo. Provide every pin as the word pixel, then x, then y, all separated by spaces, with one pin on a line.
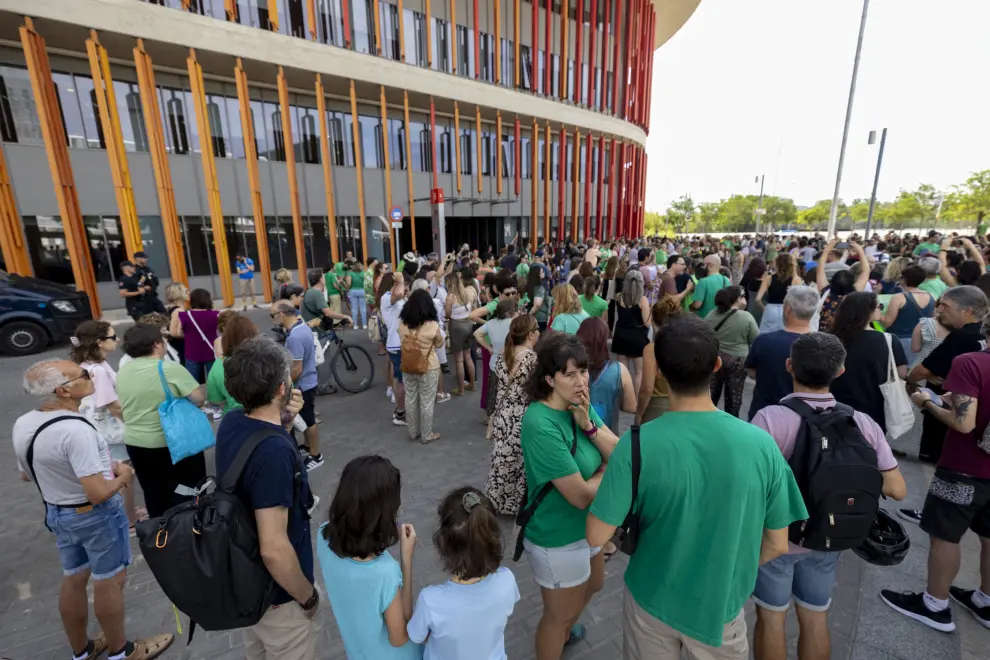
pixel 864 267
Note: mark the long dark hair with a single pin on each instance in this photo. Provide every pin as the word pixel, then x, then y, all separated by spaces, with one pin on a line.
pixel 727 297
pixel 86 344
pixel 419 309
pixel 519 331
pixel 363 517
pixel 533 280
pixel 852 316
pixel 384 286
pixel 593 333
pixel 469 539
pixel 591 284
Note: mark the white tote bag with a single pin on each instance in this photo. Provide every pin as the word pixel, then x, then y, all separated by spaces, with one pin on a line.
pixel 898 412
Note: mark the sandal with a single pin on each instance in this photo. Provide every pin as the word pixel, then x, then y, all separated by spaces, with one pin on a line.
pixel 443 397
pixel 608 554
pixel 457 392
pixel 141 513
pixel 97 646
pixel 430 438
pixel 471 388
pixel 152 647
pixel 576 635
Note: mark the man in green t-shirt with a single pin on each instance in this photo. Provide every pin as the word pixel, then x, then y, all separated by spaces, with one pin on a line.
pixel 931 246
pixel 334 284
pixel 715 499
pixel 708 286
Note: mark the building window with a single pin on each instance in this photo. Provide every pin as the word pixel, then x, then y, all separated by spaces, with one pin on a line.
pixel 422 153
pixel 525 68
pixel 390 31
pixel 18 115
pixel 419 38
pixel 294 17
pixel 273 128
pixel 371 146
pixel 176 126
pixel 216 112
pixel 526 171
pixel 364 26
pixel 335 122
pixel 86 95
pixel 445 150
pixel 467 151
pixel 396 145
pixel 68 105
pixel 328 21
pixel 308 141
pixel 442 46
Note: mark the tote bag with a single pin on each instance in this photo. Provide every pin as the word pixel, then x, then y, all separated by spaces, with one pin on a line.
pixel 187 430
pixel 898 411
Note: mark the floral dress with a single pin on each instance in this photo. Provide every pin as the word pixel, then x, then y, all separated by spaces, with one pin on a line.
pixel 506 478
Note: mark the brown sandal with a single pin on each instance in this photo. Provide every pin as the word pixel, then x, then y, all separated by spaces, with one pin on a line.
pixel 471 388
pixel 152 647
pixel 99 645
pixel 430 438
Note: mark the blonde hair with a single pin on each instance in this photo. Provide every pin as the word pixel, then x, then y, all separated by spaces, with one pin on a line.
pixel 786 266
pixel 283 275
pixel 176 293
pixel 565 299
pixel 895 268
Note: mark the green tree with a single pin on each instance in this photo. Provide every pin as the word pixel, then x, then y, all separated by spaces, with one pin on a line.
pixel 680 212
pixel 736 213
pixel 654 223
pixel 708 215
pixel 815 217
pixel 905 210
pixel 970 201
pixel 780 212
pixel 859 212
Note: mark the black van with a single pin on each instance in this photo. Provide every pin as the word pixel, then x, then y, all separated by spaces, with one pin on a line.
pixel 35 313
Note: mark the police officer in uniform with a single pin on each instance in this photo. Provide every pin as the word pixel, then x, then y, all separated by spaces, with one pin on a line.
pixel 134 290
pixel 152 302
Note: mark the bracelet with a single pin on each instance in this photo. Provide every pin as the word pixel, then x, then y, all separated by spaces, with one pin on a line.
pixel 313 600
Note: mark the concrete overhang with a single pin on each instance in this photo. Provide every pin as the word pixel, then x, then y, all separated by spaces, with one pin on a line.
pixel 671 17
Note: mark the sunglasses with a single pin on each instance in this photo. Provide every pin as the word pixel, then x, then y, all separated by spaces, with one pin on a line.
pixel 511 292
pixel 274 314
pixel 109 338
pixel 83 376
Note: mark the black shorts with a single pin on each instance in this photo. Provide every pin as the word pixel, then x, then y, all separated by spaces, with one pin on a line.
pixel 308 412
pixel 956 502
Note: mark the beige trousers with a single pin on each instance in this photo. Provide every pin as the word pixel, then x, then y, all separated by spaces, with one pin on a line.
pixel 284 633
pixel 246 291
pixel 647 638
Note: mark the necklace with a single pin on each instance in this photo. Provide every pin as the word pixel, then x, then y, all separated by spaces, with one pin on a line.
pixel 458 580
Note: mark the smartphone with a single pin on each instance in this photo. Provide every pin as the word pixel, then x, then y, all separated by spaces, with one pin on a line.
pixel 936 399
pixel 844 245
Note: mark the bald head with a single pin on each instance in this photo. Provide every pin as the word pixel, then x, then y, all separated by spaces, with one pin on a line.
pixel 713 262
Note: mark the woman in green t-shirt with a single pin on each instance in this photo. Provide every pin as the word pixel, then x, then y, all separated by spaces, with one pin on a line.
pixel 354 282
pixel 565 448
pixel 236 331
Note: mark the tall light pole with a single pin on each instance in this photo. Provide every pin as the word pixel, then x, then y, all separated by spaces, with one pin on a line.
pixel 759 207
pixel 834 212
pixel 876 177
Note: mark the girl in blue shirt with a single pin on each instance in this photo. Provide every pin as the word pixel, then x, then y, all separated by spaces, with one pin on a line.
pixel 370 593
pixel 465 617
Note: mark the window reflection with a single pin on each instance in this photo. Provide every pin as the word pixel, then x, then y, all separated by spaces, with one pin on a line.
pixel 19 116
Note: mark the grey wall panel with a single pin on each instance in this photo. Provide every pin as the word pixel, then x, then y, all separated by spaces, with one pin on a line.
pixel 345 191
pixel 187 182
pixel 374 193
pixel 422 184
pixel 234 198
pixel 94 183
pixel 268 185
pixel 278 174
pixel 31 179
pixel 400 191
pixel 312 187
pixel 143 184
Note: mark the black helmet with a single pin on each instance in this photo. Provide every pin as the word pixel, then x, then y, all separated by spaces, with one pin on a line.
pixel 887 544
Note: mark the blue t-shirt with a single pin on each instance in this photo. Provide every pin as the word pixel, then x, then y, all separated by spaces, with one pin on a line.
pixel 269 480
pixel 299 342
pixel 768 355
pixel 359 593
pixel 244 269
pixel 465 620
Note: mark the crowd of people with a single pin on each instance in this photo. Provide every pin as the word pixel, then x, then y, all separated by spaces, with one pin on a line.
pixel 881 342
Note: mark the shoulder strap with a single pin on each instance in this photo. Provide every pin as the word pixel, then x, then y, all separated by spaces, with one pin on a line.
pixel 800 407
pixel 30 450
pixel 527 512
pixel 229 478
pixel 192 319
pixel 637 463
pixel 161 375
pixel 727 317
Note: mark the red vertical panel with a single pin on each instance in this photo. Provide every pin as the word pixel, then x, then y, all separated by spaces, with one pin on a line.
pixel 433 141
pixel 613 184
pixel 616 47
pixel 627 63
pixel 345 6
pixel 634 184
pixel 592 39
pixel 589 146
pixel 561 181
pixel 601 186
pixel 642 187
pixel 578 41
pixel 518 157
pixel 535 49
pixel 548 46
pixel 604 65
pixel 649 71
pixel 477 43
pixel 624 192
pixel 644 61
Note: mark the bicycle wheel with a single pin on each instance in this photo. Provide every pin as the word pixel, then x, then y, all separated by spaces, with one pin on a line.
pixel 352 368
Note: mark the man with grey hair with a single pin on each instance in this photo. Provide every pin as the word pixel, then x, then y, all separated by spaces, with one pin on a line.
pixel 766 360
pixel 933 284
pixel 274 486
pixel 69 462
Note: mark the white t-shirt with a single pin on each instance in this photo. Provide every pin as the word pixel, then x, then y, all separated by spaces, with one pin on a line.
pixel 63 453
pixel 497 330
pixel 390 316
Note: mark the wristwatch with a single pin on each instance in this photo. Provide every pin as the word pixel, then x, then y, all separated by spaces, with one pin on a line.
pixel 313 601
pixel 592 432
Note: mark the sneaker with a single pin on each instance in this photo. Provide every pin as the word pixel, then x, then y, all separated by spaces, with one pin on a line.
pixel 312 507
pixel 388 393
pixel 399 418
pixel 443 397
pixel 910 515
pixel 245 308
pixel 913 605
pixel 965 598
pixel 304 450
pixel 257 306
pixel 391 398
pixel 313 462
pixel 325 390
pixel 217 414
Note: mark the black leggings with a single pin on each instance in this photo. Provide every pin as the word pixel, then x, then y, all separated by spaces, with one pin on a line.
pixel 732 376
pixel 158 477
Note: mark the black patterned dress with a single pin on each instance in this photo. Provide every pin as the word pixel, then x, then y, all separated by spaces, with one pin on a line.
pixel 506 478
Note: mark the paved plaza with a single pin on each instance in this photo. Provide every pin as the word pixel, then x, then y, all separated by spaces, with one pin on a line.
pixel 863 627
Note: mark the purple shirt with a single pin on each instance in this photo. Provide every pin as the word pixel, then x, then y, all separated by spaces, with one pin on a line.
pixel 783 424
pixel 198 350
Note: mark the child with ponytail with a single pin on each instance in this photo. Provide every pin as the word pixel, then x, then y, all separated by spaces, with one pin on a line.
pixel 465 617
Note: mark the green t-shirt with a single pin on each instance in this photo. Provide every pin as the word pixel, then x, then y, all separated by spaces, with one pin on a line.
pixel 934 248
pixel 332 279
pixel 313 303
pixel 216 389
pixel 595 308
pixel 546 436
pixel 522 270
pixel 689 298
pixel 705 291
pixel 568 323
pixel 934 286
pixel 661 257
pixel 708 486
pixel 139 388
pixel 736 333
pixel 543 313
pixel 357 280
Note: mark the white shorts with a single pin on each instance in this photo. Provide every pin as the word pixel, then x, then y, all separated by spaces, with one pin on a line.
pixel 560 568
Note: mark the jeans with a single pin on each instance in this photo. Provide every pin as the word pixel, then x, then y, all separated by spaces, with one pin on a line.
pixel 806 577
pixel 93 537
pixel 359 307
pixel 199 370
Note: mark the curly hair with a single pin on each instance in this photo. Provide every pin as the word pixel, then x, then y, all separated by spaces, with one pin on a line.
pixel 664 310
pixel 419 309
pixel 86 347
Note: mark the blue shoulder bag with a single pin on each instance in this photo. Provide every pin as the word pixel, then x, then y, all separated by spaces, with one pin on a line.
pixel 187 430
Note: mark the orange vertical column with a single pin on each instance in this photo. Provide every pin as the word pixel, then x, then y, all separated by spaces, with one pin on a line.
pixel 547 47
pixel 388 170
pixel 578 44
pixel 290 166
pixel 546 186
pixel 321 107
pixel 589 147
pixel 12 244
pixel 409 175
pixel 517 79
pixel 106 102
pixel 377 22
pixel 457 143
pixel 46 102
pixel 272 14
pixel 210 178
pixel 592 39
pixel 402 34
pixel 429 45
pixel 230 6
pixel 564 6
pixel 561 183
pixel 345 7
pixel 477 42
pixel 254 180
pixel 360 171
pixel 534 188
pixel 310 14
pixel 160 165
pixel 534 51
pixel 453 35
pixel 518 156
pixel 575 183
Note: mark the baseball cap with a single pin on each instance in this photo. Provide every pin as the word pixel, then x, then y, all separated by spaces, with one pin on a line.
pixel 140 255
pixel 126 263
pixel 539 253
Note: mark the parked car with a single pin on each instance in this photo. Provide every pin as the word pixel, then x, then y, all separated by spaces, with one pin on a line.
pixel 35 313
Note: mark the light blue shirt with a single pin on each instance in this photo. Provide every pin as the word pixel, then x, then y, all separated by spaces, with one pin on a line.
pixel 244 269
pixel 299 341
pixel 359 593
pixel 465 620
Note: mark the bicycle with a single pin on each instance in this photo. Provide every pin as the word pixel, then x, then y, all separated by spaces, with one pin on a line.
pixel 351 365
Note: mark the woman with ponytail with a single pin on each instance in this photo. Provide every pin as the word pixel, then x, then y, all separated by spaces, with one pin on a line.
pixel 466 616
pixel 513 367
pixel 593 304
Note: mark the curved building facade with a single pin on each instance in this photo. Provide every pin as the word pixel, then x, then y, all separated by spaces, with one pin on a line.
pixel 296 131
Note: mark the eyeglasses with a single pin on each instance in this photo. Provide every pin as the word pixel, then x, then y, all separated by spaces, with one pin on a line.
pixel 83 376
pixel 109 338
pixel 511 292
pixel 274 314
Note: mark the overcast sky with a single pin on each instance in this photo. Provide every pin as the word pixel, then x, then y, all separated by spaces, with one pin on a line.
pixel 746 80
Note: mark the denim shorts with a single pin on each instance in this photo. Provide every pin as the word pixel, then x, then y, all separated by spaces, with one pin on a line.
pixel 97 540
pixel 560 568
pixel 396 360
pixel 807 577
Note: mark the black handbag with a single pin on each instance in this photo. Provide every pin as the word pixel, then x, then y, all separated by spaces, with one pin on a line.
pixel 629 530
pixel 526 513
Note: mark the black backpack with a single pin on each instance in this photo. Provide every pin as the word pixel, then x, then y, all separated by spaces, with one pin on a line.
pixel 836 470
pixel 206 556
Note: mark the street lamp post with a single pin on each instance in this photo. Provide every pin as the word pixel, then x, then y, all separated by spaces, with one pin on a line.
pixel 876 177
pixel 759 206
pixel 834 212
